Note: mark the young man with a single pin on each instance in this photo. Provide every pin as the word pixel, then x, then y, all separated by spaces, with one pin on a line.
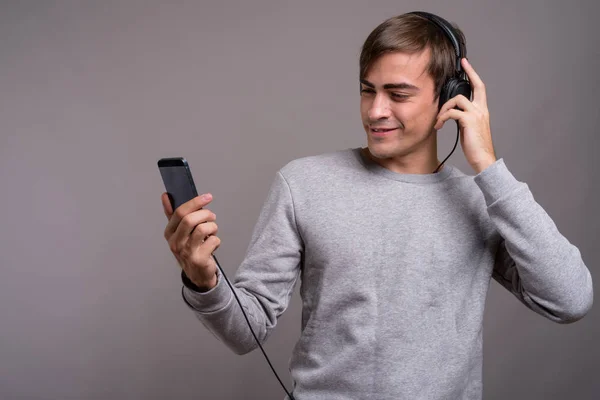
pixel 394 261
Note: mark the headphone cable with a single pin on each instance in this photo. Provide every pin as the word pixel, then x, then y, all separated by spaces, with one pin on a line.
pixel 455 143
pixel 252 330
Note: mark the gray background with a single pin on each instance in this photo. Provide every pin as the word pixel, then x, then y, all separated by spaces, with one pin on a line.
pixel 92 94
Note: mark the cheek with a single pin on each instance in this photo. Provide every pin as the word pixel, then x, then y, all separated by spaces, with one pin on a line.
pixel 364 108
pixel 365 118
pixel 421 116
pixel 405 113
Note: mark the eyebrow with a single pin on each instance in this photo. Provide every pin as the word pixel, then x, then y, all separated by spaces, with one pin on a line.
pixel 401 85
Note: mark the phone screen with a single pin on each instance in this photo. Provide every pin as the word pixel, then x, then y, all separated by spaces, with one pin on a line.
pixel 178 181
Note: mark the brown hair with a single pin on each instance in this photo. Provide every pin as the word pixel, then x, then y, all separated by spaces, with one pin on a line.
pixel 409 33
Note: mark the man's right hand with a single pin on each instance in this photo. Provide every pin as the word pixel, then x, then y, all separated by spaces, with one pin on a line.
pixel 190 233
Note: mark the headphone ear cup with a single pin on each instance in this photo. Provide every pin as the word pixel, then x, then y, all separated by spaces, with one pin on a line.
pixel 462 87
pixel 452 88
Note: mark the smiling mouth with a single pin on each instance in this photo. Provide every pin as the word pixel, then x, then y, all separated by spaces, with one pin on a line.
pixel 379 130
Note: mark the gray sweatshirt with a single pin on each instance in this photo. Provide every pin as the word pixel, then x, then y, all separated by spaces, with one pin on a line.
pixel 393 270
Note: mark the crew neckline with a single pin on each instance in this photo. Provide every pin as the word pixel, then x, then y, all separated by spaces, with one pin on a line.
pixel 377 169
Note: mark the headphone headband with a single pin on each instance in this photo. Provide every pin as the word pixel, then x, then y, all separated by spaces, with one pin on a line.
pixel 460 50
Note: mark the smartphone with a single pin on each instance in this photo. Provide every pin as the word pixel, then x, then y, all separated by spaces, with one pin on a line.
pixel 177 177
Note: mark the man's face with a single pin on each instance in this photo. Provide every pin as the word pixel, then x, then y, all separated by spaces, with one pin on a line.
pixel 398 110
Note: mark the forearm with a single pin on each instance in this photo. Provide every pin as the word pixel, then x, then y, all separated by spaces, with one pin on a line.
pixel 220 313
pixel 539 261
pixel 263 282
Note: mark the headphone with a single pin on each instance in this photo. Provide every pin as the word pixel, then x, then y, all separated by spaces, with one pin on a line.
pixel 458 84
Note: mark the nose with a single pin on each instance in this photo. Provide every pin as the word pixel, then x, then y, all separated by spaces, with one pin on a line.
pixel 380 108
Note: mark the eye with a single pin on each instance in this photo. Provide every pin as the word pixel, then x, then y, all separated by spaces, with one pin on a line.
pixel 364 90
pixel 400 96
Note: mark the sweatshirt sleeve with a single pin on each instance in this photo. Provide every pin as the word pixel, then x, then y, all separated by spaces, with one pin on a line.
pixel 264 281
pixel 534 261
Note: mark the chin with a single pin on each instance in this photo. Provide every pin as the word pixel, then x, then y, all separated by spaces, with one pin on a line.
pixel 384 150
pixel 398 147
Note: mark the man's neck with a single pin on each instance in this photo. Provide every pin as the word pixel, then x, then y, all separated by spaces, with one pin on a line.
pixel 406 167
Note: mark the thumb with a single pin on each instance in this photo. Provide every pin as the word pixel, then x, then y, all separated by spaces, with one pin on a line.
pixel 166 202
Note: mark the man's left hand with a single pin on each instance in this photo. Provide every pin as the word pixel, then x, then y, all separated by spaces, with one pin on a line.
pixel 473 120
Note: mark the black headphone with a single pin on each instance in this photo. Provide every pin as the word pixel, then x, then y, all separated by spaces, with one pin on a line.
pixel 459 83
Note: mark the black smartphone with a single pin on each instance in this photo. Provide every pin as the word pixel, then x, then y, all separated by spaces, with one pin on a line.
pixel 177 177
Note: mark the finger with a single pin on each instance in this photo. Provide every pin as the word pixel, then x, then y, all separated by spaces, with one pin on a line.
pixel 479 94
pixel 201 255
pixel 192 205
pixel 459 101
pixel 197 260
pixel 166 203
pixel 450 114
pixel 201 234
pixel 208 247
pixel 189 224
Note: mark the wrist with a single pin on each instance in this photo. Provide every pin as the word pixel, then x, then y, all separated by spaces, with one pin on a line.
pixel 484 164
pixel 199 286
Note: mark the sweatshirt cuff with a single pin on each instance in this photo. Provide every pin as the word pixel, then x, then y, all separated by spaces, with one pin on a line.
pixel 210 301
pixel 495 181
